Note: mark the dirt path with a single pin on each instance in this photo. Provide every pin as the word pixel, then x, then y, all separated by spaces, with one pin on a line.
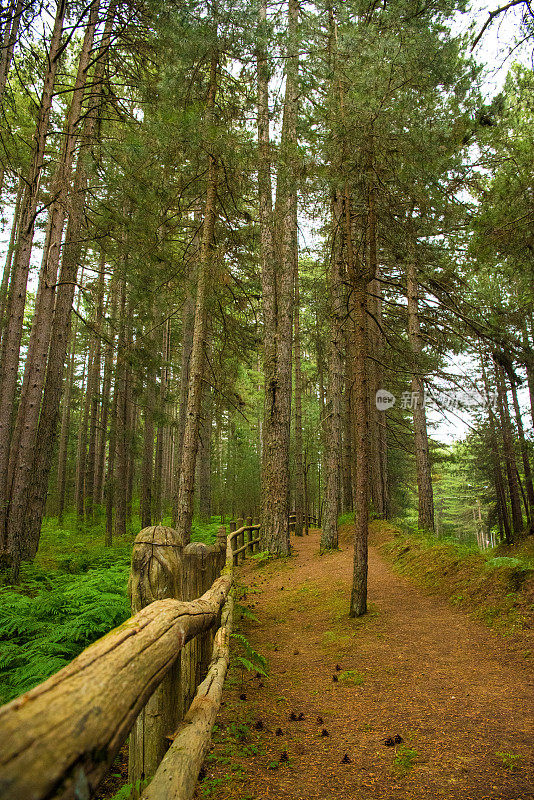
pixel 460 700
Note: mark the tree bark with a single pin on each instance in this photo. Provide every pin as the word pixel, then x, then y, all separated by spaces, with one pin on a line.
pixel 204 457
pixel 333 444
pixel 13 333
pixel 9 40
pixel 4 288
pixel 278 271
pixel 72 256
pixel 422 458
pixel 186 483
pixel 359 403
pixel 163 428
pixel 524 452
pixel 299 464
pixel 509 455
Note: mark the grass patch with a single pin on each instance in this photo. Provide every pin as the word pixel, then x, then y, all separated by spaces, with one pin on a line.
pixel 404 760
pixel 351 678
pixel 509 760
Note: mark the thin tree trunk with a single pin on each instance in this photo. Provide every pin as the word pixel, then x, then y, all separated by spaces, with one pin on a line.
pixel 64 439
pixel 100 466
pixel 278 271
pixel 186 483
pixel 13 332
pixel 505 527
pixel 422 458
pixel 81 445
pixel 204 458
pixel 359 402
pixel 299 465
pixel 4 288
pixel 333 444
pixel 9 40
pixel 509 455
pixel 72 257
pixel 147 463
pixel 163 433
pixel 529 507
pixel 188 325
pixel 347 429
pixel 120 482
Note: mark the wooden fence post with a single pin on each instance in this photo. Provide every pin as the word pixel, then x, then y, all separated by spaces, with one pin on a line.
pixel 250 536
pixel 156 574
pixel 233 543
pixel 240 540
pixel 201 566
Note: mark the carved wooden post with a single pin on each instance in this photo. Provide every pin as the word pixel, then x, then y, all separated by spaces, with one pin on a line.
pixel 156 574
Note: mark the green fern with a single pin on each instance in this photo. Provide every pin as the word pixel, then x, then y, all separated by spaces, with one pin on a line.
pixel 72 595
pixel 252 661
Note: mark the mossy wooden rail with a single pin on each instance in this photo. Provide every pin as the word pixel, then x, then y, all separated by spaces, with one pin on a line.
pixel 159 675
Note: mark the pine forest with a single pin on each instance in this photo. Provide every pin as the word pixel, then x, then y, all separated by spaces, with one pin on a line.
pixel 266 359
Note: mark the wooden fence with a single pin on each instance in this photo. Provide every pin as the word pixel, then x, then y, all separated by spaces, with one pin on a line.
pixel 157 677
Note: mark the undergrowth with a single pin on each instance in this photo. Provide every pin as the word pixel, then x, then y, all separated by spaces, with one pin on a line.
pixel 497 588
pixel 74 593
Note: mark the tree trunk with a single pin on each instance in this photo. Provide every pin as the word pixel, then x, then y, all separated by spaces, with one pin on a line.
pixel 72 256
pixel 13 332
pixel 120 480
pixel 299 465
pixel 147 463
pixel 9 39
pixel 64 437
pixel 529 507
pixel 359 403
pixel 81 448
pixel 163 430
pixel 278 277
pixel 347 496
pixel 422 458
pixel 204 458
pixel 333 444
pixel 4 288
pixel 186 484
pixel 505 527
pixel 509 455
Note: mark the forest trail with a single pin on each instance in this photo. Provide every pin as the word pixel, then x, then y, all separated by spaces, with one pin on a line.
pixel 459 695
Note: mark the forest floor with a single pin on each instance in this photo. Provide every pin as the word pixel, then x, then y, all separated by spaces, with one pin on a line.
pixel 459 695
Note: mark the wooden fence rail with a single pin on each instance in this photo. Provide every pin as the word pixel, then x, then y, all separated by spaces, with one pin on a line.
pixel 159 675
